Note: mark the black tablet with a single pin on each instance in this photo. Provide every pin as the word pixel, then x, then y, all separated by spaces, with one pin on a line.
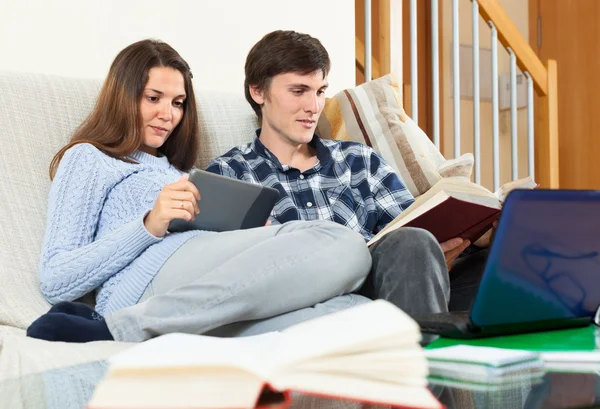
pixel 227 204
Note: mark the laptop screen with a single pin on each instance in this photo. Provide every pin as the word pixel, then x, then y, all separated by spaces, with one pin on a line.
pixel 544 263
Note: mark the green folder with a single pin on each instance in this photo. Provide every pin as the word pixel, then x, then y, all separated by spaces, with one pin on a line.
pixel 584 339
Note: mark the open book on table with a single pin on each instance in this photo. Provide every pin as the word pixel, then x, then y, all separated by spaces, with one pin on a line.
pixel 369 353
pixel 455 207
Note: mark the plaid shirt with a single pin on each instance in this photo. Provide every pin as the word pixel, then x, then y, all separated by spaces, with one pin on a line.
pixel 350 184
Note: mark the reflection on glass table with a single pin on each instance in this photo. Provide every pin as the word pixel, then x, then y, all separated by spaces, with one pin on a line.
pixel 72 387
pixel 552 391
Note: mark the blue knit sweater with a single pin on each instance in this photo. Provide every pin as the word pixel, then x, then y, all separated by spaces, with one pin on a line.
pixel 95 235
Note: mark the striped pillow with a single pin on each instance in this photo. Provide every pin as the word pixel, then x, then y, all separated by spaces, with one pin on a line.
pixel 372 114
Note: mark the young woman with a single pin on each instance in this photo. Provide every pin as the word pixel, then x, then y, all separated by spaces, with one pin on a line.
pixel 116 186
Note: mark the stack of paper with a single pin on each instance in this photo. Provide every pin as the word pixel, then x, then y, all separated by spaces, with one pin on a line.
pixel 566 350
pixel 483 365
pixel 571 361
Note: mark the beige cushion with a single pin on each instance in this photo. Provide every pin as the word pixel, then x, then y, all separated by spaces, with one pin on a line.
pixel 226 120
pixel 372 114
pixel 38 114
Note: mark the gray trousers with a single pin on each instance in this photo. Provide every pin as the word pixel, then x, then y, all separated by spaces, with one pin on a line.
pixel 409 270
pixel 248 282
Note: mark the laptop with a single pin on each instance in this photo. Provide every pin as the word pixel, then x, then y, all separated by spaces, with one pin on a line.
pixel 543 270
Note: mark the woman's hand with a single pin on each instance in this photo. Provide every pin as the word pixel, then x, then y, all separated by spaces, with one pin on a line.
pixel 175 201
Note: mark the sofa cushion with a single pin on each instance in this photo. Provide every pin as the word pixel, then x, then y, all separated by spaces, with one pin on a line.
pixel 372 114
pixel 226 120
pixel 38 115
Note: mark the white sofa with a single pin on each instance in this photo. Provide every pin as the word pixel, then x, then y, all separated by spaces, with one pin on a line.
pixel 38 114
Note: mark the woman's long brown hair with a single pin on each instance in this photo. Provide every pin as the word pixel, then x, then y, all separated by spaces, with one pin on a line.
pixel 115 127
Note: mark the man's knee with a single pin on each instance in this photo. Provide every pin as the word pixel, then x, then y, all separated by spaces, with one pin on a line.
pixel 410 254
pixel 409 269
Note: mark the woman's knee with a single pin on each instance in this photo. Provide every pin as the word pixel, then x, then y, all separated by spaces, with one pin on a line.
pixel 347 249
pixel 351 249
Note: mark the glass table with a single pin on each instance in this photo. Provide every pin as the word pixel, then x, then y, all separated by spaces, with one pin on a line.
pixel 72 387
pixel 555 390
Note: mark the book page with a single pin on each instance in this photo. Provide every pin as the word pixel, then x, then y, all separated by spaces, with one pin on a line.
pixel 386 365
pixel 371 326
pixel 459 188
pixel 505 189
pixel 211 388
pixel 184 350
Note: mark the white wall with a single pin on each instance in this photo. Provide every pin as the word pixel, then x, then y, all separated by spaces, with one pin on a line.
pixel 81 38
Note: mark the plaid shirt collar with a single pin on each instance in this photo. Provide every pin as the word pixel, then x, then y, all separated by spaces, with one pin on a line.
pixel 323 154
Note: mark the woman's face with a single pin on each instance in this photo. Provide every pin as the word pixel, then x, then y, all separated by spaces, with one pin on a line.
pixel 161 106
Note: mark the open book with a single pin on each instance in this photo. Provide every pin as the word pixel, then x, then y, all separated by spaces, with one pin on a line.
pixel 369 353
pixel 455 207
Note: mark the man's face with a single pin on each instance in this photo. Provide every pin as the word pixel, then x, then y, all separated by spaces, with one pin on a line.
pixel 291 106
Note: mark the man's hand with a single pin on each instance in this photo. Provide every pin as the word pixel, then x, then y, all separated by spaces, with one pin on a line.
pixel 486 239
pixel 452 249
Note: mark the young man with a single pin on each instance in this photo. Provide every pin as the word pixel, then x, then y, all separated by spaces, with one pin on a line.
pixel 344 182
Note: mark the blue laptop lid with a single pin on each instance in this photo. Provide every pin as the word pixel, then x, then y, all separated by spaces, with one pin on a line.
pixel 544 263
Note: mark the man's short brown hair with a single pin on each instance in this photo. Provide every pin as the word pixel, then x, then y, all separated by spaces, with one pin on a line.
pixel 280 52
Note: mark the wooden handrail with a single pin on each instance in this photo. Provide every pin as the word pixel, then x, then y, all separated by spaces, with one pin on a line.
pixel 546 132
pixel 360 59
pixel 509 36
